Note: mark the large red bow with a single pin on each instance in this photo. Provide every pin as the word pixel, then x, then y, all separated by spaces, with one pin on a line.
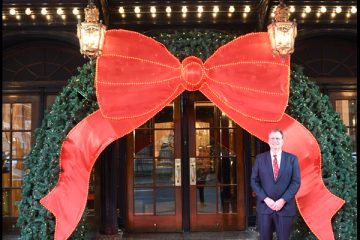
pixel 137 76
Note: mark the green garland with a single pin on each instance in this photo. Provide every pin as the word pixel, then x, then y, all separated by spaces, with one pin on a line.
pixel 78 99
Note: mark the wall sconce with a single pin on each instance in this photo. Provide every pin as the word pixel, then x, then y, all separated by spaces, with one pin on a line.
pixel 91 32
pixel 282 32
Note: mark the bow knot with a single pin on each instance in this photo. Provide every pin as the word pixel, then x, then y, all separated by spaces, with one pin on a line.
pixel 192 73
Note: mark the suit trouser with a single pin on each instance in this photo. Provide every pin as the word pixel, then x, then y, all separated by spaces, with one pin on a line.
pixel 269 222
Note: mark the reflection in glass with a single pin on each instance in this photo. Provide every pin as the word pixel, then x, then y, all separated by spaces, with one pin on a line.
pixel 16 197
pixel 202 140
pixel 205 172
pixel 6 116
pixel 165 171
pixel 21 143
pixel 165 201
pixel 144 201
pixel 143 172
pixel 6 145
pixel 21 116
pixel 227 199
pixel 5 173
pixel 164 143
pixel 227 170
pixel 206 199
pixel 143 143
pixel 166 115
pixel 225 121
pixel 205 112
pixel 17 173
pixel 6 201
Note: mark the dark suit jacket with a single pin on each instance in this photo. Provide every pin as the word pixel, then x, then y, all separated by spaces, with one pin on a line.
pixel 286 185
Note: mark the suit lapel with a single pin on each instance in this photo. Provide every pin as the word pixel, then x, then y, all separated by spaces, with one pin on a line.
pixel 268 163
pixel 282 165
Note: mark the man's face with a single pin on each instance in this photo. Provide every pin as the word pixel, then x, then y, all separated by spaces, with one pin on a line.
pixel 275 141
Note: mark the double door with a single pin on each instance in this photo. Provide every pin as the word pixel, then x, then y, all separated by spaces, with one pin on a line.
pixel 185 170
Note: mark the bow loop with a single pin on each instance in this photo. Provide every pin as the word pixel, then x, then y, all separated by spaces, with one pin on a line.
pixel 192 73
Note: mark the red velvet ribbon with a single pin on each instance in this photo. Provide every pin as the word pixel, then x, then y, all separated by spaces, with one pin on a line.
pixel 137 76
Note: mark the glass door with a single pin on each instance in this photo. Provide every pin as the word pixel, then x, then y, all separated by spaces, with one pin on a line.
pixel 214 187
pixel 216 169
pixel 154 174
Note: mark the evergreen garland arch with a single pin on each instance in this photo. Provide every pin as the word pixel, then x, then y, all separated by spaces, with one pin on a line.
pixel 77 100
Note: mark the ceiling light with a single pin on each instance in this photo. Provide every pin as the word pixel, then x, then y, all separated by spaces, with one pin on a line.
pixel 303 15
pixel 348 15
pixel 333 14
pixel 247 9
pixel 59 11
pixel 137 9
pixel 244 15
pixel 338 9
pixel 18 17
pixel 323 9
pixel 292 9
pixel 152 9
pixel 168 9
pixel 307 9
pixel 184 9
pixel 214 15
pixel 353 9
pixel 121 10
pixel 216 9
pixel 200 9
pixel 63 17
pixel 43 11
pixel 184 15
pixel 27 11
pixel 231 9
pixel 12 11
pixel 318 14
pixel 75 11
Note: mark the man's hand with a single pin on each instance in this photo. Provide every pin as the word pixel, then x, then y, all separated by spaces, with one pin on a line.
pixel 269 202
pixel 279 204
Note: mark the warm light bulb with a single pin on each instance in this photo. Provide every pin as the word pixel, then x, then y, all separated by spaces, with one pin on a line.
pixel 184 9
pixel 353 9
pixel 200 9
pixel 59 11
pixel 292 9
pixel 43 11
pixel 121 10
pixel 307 9
pixel 247 9
pixel 333 14
pixel 323 9
pixel 12 11
pixel 244 15
pixel 18 17
pixel 152 9
pixel 348 15
pixel 318 14
pixel 75 11
pixel 168 9
pixel 184 15
pixel 28 11
pixel 216 9
pixel 303 15
pixel 338 9
pixel 137 9
pixel 63 17
pixel 231 9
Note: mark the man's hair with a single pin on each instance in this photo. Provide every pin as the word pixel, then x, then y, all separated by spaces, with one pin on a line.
pixel 277 130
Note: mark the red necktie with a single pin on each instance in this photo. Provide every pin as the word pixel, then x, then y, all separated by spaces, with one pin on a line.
pixel 276 167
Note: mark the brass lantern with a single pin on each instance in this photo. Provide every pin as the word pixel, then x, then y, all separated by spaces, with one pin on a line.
pixel 91 32
pixel 282 32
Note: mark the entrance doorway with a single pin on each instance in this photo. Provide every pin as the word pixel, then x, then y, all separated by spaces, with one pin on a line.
pixel 202 187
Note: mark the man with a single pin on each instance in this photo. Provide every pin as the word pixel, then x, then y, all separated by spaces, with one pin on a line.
pixel 275 179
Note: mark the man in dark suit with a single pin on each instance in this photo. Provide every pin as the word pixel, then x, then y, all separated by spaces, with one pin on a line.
pixel 275 179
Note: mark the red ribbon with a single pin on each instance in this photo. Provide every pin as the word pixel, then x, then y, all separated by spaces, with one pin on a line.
pixel 137 76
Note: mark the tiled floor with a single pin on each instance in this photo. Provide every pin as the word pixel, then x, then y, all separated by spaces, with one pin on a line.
pixel 249 234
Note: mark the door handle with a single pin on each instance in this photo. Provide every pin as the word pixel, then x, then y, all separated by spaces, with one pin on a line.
pixel 177 171
pixel 192 171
